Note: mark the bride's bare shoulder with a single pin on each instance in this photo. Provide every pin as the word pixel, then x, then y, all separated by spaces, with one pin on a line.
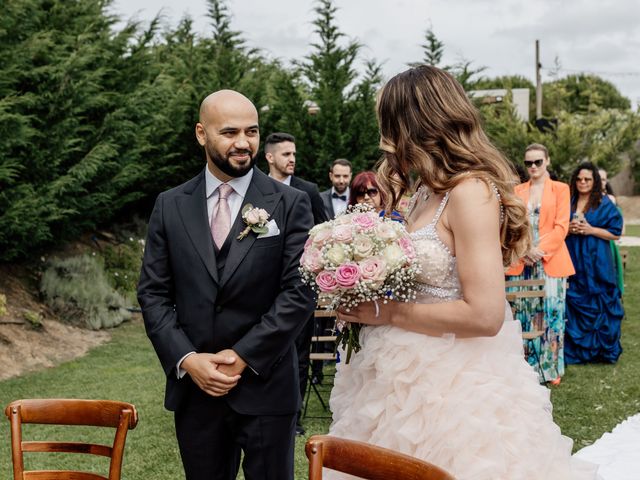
pixel 473 191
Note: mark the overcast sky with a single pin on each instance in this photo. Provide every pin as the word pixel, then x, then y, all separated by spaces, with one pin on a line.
pixel 590 36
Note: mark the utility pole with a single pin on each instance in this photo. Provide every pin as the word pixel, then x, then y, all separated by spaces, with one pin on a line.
pixel 538 83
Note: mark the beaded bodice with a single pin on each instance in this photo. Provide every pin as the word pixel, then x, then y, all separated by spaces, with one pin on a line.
pixel 438 281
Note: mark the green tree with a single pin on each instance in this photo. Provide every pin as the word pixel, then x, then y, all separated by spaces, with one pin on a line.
pixel 506 81
pixel 581 94
pixel 432 49
pixel 466 73
pixel 463 69
pixel 64 69
pixel 333 85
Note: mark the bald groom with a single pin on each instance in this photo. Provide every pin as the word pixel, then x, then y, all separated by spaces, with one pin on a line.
pixel 222 312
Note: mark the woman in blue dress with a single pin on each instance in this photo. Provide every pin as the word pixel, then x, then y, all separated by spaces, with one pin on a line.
pixel 594 310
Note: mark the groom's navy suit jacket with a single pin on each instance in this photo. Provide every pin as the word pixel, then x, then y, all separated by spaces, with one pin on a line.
pixel 253 304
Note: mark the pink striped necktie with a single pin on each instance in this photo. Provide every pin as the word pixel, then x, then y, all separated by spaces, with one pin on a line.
pixel 221 217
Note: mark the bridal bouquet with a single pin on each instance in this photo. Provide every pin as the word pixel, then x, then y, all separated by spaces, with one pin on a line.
pixel 359 257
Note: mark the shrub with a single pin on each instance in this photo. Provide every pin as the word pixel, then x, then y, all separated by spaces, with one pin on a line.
pixel 122 264
pixel 33 319
pixel 78 290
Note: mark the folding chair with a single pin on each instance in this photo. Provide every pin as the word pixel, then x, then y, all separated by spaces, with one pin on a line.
pixel 317 339
pixel 366 461
pixel 98 413
pixel 527 289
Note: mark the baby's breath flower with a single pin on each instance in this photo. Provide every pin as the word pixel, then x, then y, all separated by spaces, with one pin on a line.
pixel 387 264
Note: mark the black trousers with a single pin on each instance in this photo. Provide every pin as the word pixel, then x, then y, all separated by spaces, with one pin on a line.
pixel 303 347
pixel 211 437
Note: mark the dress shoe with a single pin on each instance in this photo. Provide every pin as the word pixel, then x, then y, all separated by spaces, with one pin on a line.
pixel 316 380
pixel 299 429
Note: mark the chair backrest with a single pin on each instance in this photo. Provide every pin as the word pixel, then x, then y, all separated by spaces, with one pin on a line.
pixel 322 337
pixel 526 289
pixel 366 461
pixel 516 289
pixel 99 413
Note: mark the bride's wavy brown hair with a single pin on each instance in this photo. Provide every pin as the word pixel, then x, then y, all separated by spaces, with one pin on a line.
pixel 430 129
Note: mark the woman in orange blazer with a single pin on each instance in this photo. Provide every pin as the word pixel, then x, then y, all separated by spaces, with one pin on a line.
pixel 548 203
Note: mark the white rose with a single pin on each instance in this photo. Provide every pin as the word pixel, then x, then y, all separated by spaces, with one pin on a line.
pixel 393 255
pixel 263 215
pixel 318 228
pixel 385 231
pixel 343 220
pixel 336 255
pixel 363 247
pixel 252 217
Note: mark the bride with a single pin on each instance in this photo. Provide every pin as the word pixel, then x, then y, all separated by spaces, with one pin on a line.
pixel 444 378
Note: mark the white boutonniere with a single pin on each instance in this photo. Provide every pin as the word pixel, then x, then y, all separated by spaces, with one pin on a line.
pixel 256 220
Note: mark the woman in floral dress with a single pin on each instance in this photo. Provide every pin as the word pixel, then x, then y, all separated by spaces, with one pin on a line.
pixel 548 205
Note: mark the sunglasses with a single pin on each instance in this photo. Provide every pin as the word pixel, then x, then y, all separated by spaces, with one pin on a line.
pixel 531 163
pixel 372 192
pixel 584 179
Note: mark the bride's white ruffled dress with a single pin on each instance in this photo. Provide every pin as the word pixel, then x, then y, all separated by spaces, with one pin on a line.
pixel 471 406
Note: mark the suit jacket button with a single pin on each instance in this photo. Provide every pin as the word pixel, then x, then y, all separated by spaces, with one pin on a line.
pixel 218 308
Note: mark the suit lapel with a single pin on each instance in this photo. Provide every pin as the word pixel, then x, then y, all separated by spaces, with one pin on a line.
pixel 260 194
pixel 329 203
pixel 192 208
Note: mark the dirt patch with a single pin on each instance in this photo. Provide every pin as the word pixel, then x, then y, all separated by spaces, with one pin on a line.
pixel 31 336
pixel 630 208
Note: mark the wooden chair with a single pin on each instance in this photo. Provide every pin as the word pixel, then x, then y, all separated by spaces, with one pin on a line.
pixel 99 413
pixel 526 289
pixel 318 339
pixel 366 461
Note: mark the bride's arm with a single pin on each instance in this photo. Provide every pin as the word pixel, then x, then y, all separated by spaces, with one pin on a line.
pixel 473 215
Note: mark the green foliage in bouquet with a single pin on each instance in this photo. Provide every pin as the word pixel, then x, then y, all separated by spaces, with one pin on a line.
pixel 348 337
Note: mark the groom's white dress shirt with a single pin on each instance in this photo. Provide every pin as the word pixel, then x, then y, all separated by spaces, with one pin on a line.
pixel 240 186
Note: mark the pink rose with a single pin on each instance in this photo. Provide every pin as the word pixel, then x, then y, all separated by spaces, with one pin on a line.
pixel 374 268
pixel 342 233
pixel 407 247
pixel 312 260
pixel 365 221
pixel 322 236
pixel 326 281
pixel 348 274
pixel 308 242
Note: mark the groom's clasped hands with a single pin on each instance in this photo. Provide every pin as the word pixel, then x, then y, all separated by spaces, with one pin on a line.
pixel 215 373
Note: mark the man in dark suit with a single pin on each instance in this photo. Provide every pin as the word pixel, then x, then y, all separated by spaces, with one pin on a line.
pixel 336 198
pixel 222 310
pixel 280 153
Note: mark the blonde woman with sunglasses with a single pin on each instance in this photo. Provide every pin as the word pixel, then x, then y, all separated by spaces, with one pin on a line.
pixel 548 205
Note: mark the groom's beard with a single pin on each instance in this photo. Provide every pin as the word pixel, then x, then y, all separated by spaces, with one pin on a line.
pixel 224 164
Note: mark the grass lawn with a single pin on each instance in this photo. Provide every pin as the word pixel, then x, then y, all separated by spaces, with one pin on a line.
pixel 632 230
pixel 591 400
